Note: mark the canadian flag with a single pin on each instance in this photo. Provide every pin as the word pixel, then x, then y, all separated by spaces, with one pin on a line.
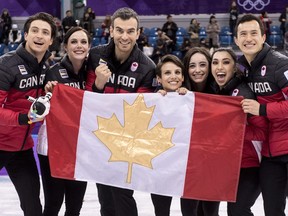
pixel 187 146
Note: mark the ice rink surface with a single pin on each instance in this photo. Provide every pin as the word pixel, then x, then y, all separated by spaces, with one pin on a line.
pixel 9 204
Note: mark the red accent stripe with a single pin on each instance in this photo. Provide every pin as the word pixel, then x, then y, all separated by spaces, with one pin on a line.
pixel 213 165
pixel 66 104
pixel 109 89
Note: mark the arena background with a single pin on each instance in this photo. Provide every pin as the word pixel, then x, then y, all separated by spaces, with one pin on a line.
pixel 156 7
pixel 143 7
pixel 152 13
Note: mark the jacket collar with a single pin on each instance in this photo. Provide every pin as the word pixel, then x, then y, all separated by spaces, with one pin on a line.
pixel 258 59
pixel 29 58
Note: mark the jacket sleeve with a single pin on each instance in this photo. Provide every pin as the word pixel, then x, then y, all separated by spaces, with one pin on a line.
pixel 279 108
pixel 90 81
pixel 92 63
pixel 7 116
pixel 257 128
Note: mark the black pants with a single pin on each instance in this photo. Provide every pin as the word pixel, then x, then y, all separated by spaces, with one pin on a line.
pixel 273 181
pixel 116 201
pixel 189 207
pixel 248 192
pixel 162 205
pixel 208 208
pixel 55 189
pixel 22 170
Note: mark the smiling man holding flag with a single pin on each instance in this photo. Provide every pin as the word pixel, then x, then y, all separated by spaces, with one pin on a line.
pixel 120 67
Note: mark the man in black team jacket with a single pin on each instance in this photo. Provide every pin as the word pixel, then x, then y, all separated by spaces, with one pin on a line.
pixel 267 76
pixel 22 73
pixel 120 67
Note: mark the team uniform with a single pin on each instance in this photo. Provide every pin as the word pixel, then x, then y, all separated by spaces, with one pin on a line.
pixel 55 189
pixel 256 129
pixel 136 74
pixel 20 76
pixel 267 76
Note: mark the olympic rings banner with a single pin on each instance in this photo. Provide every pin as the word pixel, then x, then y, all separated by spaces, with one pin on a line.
pixel 158 7
pixel 249 5
pixel 146 7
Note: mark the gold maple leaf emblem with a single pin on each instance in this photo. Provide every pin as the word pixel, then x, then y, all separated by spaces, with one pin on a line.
pixel 134 142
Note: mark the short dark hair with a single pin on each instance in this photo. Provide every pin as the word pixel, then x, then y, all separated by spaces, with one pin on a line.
pixel 75 29
pixel 248 18
pixel 169 58
pixel 44 17
pixel 125 13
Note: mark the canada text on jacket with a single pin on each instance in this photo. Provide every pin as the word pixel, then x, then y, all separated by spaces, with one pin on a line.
pixel 260 87
pixel 31 81
pixel 123 80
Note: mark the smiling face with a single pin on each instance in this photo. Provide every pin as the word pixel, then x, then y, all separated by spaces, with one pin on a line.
pixel 125 35
pixel 198 68
pixel 249 39
pixel 223 67
pixel 38 39
pixel 171 77
pixel 78 46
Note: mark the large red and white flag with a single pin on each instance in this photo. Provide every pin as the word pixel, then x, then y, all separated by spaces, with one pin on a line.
pixel 174 145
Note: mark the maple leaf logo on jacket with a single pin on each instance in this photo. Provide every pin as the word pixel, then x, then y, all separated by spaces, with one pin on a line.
pixel 134 66
pixel 138 142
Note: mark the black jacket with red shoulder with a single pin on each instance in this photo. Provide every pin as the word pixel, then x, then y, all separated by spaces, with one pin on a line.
pixel 63 72
pixel 267 76
pixel 256 128
pixel 20 76
pixel 136 74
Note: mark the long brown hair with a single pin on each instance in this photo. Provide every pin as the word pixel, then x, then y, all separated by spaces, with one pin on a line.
pixel 186 62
